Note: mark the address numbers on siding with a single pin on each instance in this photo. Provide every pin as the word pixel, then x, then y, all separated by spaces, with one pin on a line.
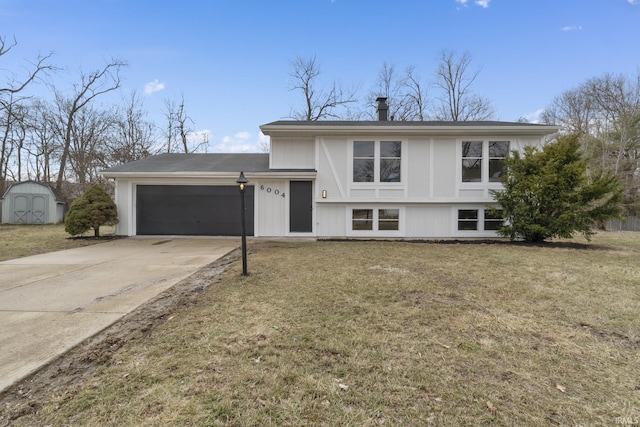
pixel 275 192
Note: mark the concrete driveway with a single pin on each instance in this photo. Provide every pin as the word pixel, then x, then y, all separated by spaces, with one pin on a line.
pixel 51 302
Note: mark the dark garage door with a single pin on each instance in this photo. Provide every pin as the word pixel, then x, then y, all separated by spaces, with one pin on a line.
pixel 191 210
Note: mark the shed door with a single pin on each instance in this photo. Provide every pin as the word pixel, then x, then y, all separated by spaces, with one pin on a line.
pixel 21 209
pixel 30 208
pixel 192 210
pixel 39 209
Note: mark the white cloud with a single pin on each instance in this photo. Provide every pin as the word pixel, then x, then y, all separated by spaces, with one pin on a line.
pixel 534 117
pixel 153 87
pixel 634 2
pixel 482 3
pixel 242 142
pixel 572 28
pixel 199 139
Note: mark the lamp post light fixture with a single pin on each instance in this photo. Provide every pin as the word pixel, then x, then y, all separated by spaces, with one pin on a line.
pixel 242 182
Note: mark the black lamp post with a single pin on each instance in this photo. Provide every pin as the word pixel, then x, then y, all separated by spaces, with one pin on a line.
pixel 242 182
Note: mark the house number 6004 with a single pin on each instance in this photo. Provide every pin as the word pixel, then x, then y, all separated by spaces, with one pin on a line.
pixel 270 190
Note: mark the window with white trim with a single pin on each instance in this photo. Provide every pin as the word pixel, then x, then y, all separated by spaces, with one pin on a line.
pixel 377 161
pixel 483 161
pixel 375 219
pixel 479 220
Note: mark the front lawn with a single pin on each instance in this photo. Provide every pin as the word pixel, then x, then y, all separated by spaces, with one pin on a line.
pixel 386 333
pixel 17 241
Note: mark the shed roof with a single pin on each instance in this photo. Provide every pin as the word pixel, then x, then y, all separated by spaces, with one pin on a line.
pixel 13 186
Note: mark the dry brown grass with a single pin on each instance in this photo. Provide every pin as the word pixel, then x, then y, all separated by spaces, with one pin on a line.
pixel 17 241
pixel 387 333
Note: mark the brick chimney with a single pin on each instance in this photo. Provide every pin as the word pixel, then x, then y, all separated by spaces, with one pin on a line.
pixel 383 109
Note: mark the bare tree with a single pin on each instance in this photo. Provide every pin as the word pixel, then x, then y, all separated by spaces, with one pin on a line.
pixel 42 140
pixel 605 111
pixel 178 128
pixel 406 96
pixel 319 103
pixel 90 134
pixel 458 101
pixel 133 136
pixel 11 108
pixel 92 85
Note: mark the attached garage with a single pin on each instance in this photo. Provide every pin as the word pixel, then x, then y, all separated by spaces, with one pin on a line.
pixel 198 210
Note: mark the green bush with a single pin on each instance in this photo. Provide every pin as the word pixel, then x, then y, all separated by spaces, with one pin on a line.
pixel 93 209
pixel 547 194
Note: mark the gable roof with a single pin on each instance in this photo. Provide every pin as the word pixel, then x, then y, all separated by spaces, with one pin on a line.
pixel 198 164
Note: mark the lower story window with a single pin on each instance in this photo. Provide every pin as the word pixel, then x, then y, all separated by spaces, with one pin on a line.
pixel 362 219
pixel 388 219
pixel 479 220
pixel 375 219
pixel 468 220
pixel 493 221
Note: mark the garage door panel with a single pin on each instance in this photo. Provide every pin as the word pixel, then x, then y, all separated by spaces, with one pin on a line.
pixel 191 210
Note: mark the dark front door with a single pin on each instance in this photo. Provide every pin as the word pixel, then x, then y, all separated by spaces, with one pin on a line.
pixel 300 207
pixel 204 210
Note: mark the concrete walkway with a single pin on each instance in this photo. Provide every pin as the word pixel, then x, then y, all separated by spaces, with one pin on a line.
pixel 49 303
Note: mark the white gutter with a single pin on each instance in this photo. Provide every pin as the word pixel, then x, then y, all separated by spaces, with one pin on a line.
pixel 218 175
pixel 407 129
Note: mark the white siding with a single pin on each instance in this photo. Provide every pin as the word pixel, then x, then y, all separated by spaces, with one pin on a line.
pixel 444 167
pixel 272 209
pixel 292 153
pixel 332 161
pixel 420 168
pixel 330 221
pixel 428 221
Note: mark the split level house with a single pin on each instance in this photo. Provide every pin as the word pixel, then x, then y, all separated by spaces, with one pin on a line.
pixel 331 179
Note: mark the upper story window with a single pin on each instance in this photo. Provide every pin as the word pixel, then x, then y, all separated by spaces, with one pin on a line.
pixel 498 151
pixel 377 161
pixel 483 161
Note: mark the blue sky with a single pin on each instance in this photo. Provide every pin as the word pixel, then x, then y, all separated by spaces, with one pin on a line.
pixel 230 58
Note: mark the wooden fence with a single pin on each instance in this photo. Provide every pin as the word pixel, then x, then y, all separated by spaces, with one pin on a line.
pixel 631 223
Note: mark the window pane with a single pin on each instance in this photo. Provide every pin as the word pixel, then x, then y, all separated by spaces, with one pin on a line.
pixel 497 168
pixel 362 170
pixel 468 225
pixel 388 214
pixel 471 170
pixel 492 225
pixel 388 225
pixel 362 219
pixel 468 214
pixel 389 170
pixel 498 149
pixel 390 149
pixel 472 149
pixel 489 215
pixel 363 149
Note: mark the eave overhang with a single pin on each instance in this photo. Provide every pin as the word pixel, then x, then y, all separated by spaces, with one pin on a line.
pixel 275 174
pixel 290 128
